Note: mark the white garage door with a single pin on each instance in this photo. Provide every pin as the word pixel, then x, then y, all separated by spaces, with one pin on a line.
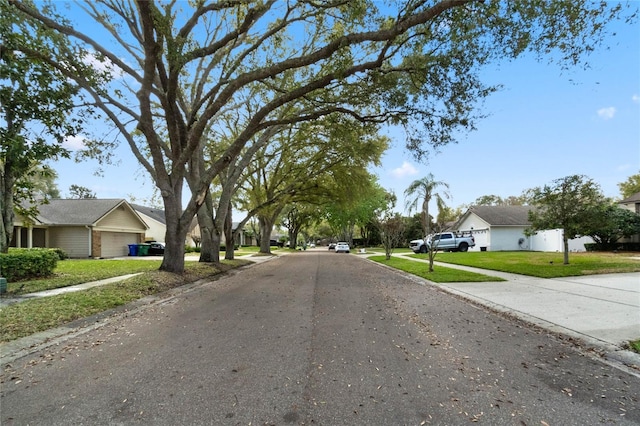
pixel 116 244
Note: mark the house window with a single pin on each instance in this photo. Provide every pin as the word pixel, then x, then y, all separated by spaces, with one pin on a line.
pixel 638 208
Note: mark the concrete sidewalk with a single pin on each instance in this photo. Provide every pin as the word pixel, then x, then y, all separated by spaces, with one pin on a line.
pixel 9 300
pixel 603 308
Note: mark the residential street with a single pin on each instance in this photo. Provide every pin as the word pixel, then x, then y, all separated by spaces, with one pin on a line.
pixel 316 338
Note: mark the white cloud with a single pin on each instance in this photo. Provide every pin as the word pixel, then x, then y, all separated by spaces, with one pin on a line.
pixel 606 113
pixel 635 98
pixel 406 169
pixel 74 143
pixel 102 65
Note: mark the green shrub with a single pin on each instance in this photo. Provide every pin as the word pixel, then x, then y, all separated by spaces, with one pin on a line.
pixel 612 247
pixel 21 264
pixel 62 255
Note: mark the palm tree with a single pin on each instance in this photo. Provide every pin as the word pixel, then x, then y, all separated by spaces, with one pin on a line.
pixel 423 191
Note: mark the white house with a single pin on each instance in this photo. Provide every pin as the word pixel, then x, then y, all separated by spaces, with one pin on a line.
pixel 502 228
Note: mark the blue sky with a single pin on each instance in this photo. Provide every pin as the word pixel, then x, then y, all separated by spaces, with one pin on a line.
pixel 546 123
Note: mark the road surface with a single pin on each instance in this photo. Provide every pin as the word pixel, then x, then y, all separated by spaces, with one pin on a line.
pixel 316 338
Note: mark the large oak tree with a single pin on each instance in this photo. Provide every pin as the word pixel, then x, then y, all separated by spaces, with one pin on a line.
pixel 414 62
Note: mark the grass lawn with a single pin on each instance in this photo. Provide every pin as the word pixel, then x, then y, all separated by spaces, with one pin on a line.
pixel 77 271
pixel 440 274
pixel 543 264
pixel 31 316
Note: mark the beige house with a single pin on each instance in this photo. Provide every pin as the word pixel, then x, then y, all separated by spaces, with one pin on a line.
pixel 631 203
pixel 83 228
pixel 193 235
pixel 154 218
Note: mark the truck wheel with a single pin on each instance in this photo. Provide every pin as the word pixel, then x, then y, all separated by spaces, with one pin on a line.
pixel 463 247
pixel 423 249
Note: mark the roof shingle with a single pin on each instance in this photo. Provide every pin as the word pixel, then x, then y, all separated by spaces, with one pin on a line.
pixel 84 211
pixel 503 215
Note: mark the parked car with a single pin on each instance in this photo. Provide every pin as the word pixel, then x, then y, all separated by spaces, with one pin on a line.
pixel 341 246
pixel 332 246
pixel 276 243
pixel 446 241
pixel 156 248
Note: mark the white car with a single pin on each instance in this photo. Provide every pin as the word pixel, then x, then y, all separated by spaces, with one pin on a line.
pixel 341 246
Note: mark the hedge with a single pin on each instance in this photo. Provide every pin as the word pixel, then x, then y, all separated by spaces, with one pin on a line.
pixel 22 264
pixel 612 247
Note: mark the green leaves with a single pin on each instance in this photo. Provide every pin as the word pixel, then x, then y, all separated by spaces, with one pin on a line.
pixel 567 203
pixel 607 223
pixel 37 106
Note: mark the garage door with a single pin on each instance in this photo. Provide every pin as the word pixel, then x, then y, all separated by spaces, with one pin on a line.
pixel 116 244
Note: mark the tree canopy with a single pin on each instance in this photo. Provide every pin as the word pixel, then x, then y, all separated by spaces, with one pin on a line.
pixel 38 110
pixel 630 186
pixel 607 223
pixel 496 200
pixel 182 67
pixel 79 191
pixel 567 203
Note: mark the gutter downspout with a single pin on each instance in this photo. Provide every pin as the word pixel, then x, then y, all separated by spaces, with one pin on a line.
pixel 90 229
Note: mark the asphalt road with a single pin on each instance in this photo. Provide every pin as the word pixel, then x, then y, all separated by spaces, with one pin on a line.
pixel 316 338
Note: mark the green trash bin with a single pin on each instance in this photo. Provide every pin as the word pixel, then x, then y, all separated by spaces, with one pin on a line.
pixel 143 249
pixel 3 285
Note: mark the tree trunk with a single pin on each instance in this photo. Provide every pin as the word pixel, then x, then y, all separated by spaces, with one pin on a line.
pixel 210 238
pixel 291 239
pixel 230 242
pixel 177 223
pixel 210 247
pixel 293 236
pixel 6 210
pixel 266 226
pixel 565 241
pixel 426 220
pixel 432 256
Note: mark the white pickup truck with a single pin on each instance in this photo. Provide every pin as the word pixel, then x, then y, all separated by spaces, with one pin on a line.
pixel 446 241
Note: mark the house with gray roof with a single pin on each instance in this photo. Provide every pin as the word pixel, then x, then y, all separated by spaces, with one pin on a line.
pixel 631 203
pixel 502 228
pixel 83 228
